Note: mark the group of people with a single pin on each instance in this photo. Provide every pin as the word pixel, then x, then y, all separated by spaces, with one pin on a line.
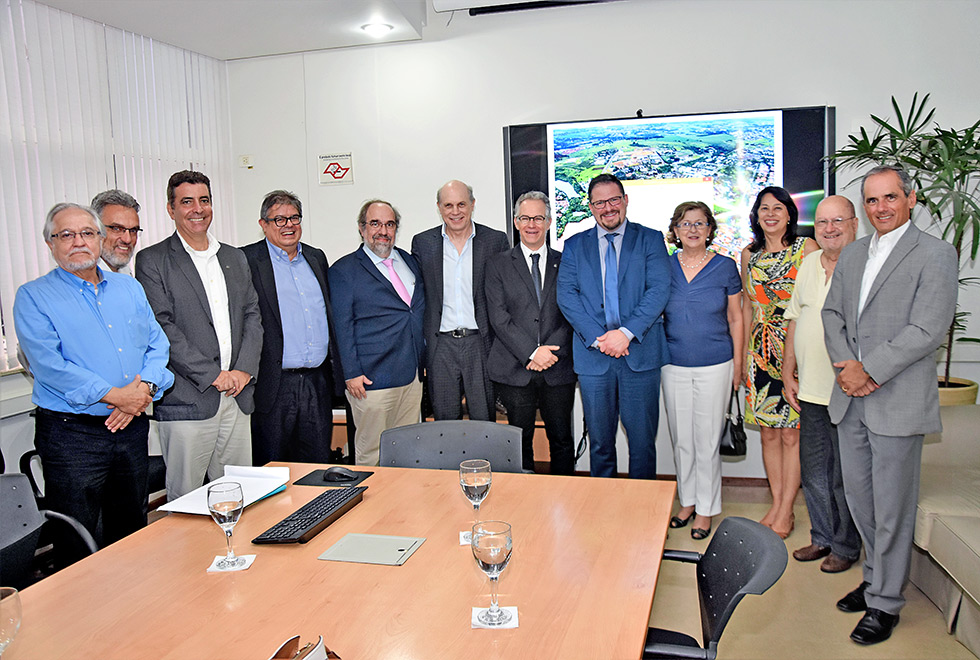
pixel 242 351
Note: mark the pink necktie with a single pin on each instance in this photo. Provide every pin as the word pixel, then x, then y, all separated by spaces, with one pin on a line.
pixel 397 282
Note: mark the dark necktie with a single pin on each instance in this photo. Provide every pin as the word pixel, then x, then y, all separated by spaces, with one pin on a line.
pixel 611 285
pixel 536 275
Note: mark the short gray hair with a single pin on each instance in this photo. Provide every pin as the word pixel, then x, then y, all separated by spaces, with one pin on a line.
pixel 114 197
pixel 277 197
pixel 469 189
pixel 536 195
pixel 362 214
pixel 907 184
pixel 58 208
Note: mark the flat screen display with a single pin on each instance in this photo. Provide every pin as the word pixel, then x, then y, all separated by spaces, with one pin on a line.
pixel 721 159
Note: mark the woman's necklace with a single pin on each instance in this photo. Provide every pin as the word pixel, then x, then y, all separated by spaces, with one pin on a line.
pixel 697 265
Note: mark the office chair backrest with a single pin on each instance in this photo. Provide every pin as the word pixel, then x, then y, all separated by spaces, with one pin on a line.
pixel 20 528
pixel 743 557
pixel 444 445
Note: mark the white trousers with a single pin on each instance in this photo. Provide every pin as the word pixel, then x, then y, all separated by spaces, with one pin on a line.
pixel 195 447
pixel 381 410
pixel 695 399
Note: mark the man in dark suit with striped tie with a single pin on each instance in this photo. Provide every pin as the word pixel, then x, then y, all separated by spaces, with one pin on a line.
pixel 530 360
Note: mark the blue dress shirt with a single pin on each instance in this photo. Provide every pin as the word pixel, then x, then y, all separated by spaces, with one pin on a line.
pixel 458 310
pixel 81 340
pixel 305 334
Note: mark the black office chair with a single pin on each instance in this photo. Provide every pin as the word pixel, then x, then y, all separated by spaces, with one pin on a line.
pixel 20 528
pixel 30 464
pixel 743 557
pixel 444 445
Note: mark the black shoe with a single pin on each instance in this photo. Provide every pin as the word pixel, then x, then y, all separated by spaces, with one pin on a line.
pixel 700 534
pixel 676 523
pixel 854 601
pixel 875 626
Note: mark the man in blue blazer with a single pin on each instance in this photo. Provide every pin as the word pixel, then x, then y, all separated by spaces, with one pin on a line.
pixel 613 285
pixel 299 370
pixel 378 303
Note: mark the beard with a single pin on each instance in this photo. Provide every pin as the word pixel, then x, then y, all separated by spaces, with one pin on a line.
pixel 76 266
pixel 114 260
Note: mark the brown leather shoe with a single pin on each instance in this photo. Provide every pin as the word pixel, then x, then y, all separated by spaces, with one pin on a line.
pixel 811 552
pixel 836 564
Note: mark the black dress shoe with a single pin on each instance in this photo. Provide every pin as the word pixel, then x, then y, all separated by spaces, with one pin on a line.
pixel 875 626
pixel 677 522
pixel 854 601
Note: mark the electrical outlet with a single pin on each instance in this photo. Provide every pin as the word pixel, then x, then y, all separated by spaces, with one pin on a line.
pixel 246 161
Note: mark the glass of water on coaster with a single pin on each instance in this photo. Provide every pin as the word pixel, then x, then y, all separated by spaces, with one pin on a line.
pixel 492 547
pixel 225 503
pixel 474 479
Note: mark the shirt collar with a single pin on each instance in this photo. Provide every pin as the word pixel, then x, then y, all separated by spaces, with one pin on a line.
pixel 472 233
pixel 375 259
pixel 528 251
pixel 75 280
pixel 212 249
pixel 278 253
pixel 889 240
pixel 621 229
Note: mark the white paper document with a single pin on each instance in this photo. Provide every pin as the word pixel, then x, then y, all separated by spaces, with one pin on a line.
pixel 257 483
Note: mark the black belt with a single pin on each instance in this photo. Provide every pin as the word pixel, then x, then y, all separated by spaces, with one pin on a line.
pixel 80 418
pixel 459 332
pixel 301 370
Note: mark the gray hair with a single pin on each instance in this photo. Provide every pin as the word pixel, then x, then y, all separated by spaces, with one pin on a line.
pixel 277 197
pixel 58 208
pixel 114 197
pixel 907 185
pixel 469 189
pixel 362 214
pixel 536 195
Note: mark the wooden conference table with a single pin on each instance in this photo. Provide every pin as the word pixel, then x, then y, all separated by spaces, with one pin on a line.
pixel 586 557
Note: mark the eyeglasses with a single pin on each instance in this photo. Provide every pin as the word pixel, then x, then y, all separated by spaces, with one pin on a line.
pixel 69 236
pixel 612 201
pixel 692 225
pixel 837 222
pixel 118 230
pixel 536 219
pixel 281 220
pixel 377 224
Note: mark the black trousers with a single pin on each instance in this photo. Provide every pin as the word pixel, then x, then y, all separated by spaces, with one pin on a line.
pixel 555 403
pixel 458 369
pixel 92 474
pixel 299 427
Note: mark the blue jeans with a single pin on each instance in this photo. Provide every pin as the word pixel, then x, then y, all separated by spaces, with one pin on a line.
pixel 633 396
pixel 831 525
pixel 96 476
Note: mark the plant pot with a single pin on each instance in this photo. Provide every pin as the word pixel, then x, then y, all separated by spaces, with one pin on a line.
pixel 961 392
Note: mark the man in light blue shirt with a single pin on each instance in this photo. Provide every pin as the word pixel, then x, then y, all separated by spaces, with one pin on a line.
pixel 456 325
pixel 98 357
pixel 298 370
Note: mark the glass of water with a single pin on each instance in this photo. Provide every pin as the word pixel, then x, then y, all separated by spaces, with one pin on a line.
pixel 10 616
pixel 474 479
pixel 492 546
pixel 225 502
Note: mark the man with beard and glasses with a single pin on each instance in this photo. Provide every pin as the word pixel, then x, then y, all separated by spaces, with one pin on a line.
pixel 98 357
pixel 119 214
pixel 378 304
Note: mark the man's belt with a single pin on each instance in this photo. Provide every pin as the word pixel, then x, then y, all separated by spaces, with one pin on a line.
pixel 460 332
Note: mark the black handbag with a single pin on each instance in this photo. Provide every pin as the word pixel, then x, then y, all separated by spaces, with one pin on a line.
pixel 733 435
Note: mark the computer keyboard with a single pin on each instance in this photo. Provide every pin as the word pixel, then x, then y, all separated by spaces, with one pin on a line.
pixel 313 517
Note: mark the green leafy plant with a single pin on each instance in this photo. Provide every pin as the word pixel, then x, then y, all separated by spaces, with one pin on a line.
pixel 944 164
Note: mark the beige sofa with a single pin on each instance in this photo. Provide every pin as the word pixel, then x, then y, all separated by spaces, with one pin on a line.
pixel 946 557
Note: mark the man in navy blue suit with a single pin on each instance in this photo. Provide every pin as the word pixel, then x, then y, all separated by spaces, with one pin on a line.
pixel 378 304
pixel 613 285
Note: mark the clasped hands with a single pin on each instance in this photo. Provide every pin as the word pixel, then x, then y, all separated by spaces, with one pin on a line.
pixel 543 358
pixel 853 379
pixel 231 382
pixel 126 403
pixel 613 343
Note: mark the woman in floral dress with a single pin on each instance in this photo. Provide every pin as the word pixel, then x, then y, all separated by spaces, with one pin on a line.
pixel 769 266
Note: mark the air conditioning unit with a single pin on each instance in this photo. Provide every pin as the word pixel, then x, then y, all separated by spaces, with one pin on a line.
pixel 494 6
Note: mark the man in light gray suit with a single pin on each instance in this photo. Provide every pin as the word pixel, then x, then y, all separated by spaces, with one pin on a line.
pixel 891 300
pixel 202 295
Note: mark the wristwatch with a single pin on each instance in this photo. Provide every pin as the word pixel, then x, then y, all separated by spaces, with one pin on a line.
pixel 152 387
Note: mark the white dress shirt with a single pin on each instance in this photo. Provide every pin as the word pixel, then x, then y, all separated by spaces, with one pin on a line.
pixel 213 279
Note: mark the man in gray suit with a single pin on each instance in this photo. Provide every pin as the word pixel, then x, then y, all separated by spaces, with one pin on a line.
pixel 456 324
pixel 202 295
pixel 891 300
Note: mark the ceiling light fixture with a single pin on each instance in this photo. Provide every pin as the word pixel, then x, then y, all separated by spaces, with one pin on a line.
pixel 377 30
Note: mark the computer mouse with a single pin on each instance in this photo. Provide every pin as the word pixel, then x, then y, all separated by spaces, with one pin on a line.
pixel 338 473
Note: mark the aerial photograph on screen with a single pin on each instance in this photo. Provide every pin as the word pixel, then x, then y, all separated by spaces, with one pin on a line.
pixel 722 160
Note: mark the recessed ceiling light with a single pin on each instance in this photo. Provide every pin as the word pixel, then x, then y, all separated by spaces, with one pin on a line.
pixel 377 30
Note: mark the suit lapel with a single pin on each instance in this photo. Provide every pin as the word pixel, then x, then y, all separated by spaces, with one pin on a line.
pixel 905 245
pixel 267 283
pixel 593 257
pixel 523 272
pixel 186 266
pixel 626 249
pixel 550 272
pixel 375 272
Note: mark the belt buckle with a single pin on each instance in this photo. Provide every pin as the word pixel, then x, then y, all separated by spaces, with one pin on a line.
pixel 458 333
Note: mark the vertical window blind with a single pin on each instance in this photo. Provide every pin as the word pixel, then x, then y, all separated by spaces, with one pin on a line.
pixel 86 107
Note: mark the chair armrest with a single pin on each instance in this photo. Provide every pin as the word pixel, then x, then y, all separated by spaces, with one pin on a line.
pixel 675 651
pixel 74 524
pixel 685 556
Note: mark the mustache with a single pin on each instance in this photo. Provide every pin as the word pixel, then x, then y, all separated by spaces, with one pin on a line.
pixel 80 250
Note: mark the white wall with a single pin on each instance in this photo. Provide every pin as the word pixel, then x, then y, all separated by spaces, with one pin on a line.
pixel 419 113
